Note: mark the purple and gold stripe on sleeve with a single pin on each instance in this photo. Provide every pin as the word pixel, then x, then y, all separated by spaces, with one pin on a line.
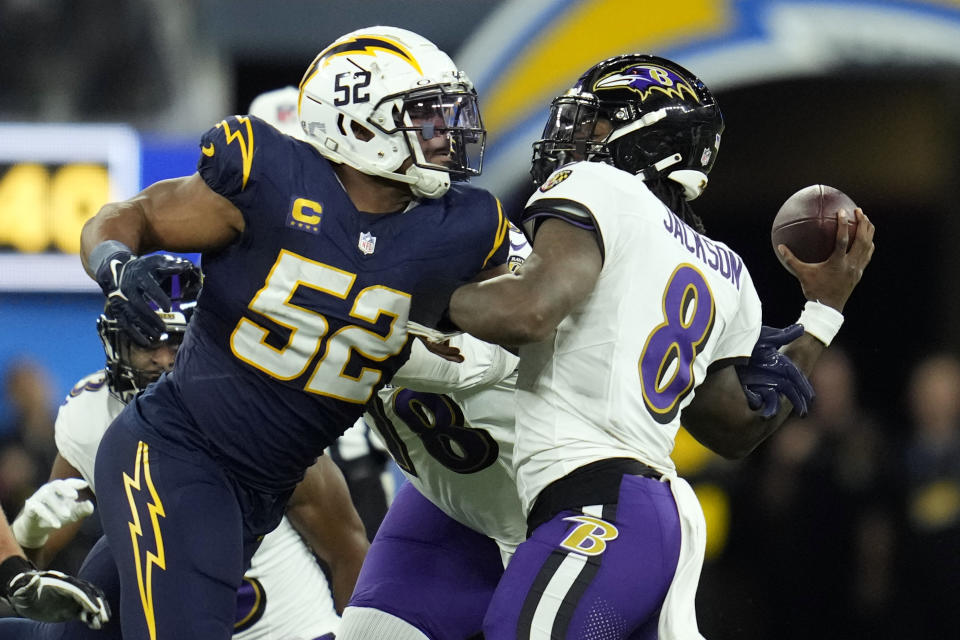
pixel 570 211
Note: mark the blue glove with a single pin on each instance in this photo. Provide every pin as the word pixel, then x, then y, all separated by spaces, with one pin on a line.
pixel 770 373
pixel 131 284
pixel 776 338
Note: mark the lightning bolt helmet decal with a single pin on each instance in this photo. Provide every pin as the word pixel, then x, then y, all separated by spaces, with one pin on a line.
pixel 372 100
pixel 367 45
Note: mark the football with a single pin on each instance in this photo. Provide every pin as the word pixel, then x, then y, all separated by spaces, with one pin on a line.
pixel 807 222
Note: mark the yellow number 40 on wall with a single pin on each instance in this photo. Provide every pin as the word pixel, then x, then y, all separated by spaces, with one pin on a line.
pixel 53 177
pixel 43 206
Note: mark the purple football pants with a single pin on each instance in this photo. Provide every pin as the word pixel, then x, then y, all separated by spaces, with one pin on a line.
pixel 429 570
pixel 599 572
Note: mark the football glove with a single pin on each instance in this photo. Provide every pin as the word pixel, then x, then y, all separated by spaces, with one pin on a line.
pixel 51 507
pixel 770 373
pixel 130 284
pixel 51 596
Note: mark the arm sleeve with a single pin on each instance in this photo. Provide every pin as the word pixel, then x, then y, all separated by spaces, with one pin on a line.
pixel 483 365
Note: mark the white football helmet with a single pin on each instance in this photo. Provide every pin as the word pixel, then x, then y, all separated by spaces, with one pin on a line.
pixel 279 108
pixel 369 99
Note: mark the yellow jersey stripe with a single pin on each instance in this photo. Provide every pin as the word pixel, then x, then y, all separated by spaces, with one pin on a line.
pixel 503 227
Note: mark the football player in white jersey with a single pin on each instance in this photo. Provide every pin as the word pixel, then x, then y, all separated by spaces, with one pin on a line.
pixel 440 551
pixel 285 593
pixel 624 309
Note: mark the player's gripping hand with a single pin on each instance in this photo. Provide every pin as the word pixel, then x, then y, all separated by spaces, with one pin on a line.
pixel 770 373
pixel 52 506
pixel 131 283
pixel 831 282
pixel 51 596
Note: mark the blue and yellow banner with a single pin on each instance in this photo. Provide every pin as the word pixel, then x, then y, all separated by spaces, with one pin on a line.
pixel 542 46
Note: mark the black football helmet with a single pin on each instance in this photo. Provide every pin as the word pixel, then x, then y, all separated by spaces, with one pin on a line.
pixel 125 380
pixel 642 114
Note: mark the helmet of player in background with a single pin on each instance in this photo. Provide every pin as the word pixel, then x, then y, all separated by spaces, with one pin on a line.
pixel 367 97
pixel 642 114
pixel 124 379
pixel 279 108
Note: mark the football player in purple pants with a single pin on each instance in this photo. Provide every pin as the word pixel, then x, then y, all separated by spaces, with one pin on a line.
pixel 631 320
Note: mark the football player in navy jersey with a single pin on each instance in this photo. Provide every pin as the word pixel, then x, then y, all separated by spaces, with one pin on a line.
pixel 358 453
pixel 316 255
pixel 285 593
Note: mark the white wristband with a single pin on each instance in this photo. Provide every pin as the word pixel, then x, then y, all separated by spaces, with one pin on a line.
pixel 821 321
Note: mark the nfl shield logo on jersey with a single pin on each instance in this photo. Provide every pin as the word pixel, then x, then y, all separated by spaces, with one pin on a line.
pixel 367 242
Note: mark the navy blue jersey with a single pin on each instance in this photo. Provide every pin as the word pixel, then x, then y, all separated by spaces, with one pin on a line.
pixel 304 316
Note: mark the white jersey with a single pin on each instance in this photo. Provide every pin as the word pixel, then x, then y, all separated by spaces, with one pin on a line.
pixel 450 428
pixel 668 304
pixel 453 436
pixel 299 605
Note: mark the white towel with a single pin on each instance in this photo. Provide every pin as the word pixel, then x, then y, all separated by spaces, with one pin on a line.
pixel 678 617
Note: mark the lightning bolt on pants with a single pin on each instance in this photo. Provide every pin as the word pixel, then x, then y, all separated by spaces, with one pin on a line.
pixel 175 529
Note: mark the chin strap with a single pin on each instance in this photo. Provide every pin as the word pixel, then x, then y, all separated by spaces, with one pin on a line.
pixel 645 121
pixel 425 183
pixel 692 181
pixel 653 171
pixel 428 183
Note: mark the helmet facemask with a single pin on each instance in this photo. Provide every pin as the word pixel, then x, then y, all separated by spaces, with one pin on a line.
pixel 570 135
pixel 446 120
pixel 124 378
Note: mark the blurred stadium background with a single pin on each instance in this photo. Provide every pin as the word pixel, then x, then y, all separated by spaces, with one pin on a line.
pixel 845 525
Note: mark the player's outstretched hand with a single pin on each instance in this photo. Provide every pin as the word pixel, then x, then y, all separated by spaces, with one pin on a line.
pixel 51 596
pixel 437 342
pixel 54 505
pixel 442 349
pixel 770 373
pixel 831 282
pixel 131 283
